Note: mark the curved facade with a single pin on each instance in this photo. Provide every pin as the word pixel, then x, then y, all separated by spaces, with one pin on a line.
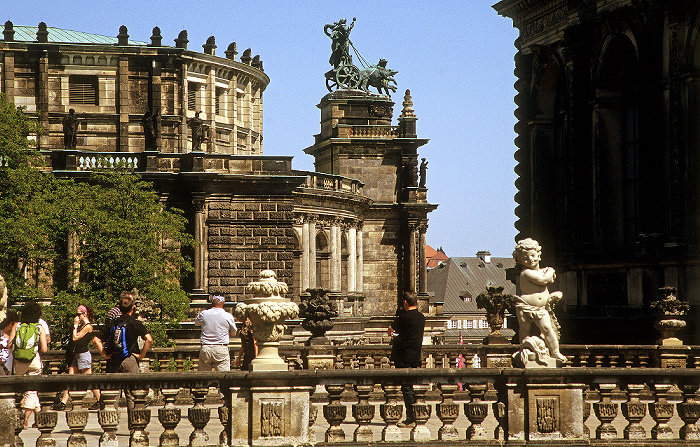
pixel 356 226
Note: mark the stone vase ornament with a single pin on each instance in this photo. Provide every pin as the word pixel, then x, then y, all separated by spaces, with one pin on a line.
pixel 267 310
pixel 495 302
pixel 317 310
pixel 670 315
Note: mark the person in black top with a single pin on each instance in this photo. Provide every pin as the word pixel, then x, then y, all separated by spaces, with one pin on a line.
pixel 406 350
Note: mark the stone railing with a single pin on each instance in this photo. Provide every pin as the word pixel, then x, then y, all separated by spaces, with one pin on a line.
pixel 376 356
pixel 367 131
pixel 318 180
pixel 497 406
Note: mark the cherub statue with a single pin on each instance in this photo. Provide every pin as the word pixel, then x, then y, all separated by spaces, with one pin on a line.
pixel 534 305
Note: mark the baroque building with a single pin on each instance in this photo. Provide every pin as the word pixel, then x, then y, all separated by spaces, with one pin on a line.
pixel 356 226
pixel 608 104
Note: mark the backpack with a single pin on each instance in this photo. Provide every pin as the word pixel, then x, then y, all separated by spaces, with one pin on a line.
pixel 117 343
pixel 26 342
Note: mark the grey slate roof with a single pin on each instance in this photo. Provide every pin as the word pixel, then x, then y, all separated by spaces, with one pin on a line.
pixel 467 276
pixel 57 35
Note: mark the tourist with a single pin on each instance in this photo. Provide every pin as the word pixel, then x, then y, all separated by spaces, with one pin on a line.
pixel 535 302
pixel 217 326
pixel 249 349
pixel 30 337
pixel 121 342
pixel 7 332
pixel 81 358
pixel 406 350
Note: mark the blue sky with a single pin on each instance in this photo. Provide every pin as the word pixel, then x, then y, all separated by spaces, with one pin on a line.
pixel 455 56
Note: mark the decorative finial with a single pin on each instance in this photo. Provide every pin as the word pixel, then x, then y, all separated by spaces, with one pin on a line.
pixel 9 32
pixel 123 36
pixel 181 41
pixel 256 62
pixel 407 105
pixel 156 38
pixel 210 46
pixel 231 51
pixel 246 56
pixel 42 34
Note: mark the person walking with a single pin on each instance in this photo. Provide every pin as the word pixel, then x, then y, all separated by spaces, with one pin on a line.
pixel 217 326
pixel 249 349
pixel 121 342
pixel 406 350
pixel 81 361
pixel 8 326
pixel 29 342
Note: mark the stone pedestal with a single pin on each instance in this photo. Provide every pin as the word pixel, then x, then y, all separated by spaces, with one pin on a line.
pixel 279 416
pixel 673 357
pixel 545 411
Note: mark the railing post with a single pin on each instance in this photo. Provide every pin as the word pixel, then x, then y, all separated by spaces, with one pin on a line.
pixel 421 413
pixel 77 419
pixel 662 412
pixel 225 416
pixel 108 417
pixel 634 411
pixel 139 417
pixel 335 413
pixel 46 420
pixel 199 416
pixel 8 416
pixel 448 412
pixel 363 412
pixel 689 412
pixel 605 411
pixel 169 416
pixel 19 417
pixel 391 413
pixel 476 411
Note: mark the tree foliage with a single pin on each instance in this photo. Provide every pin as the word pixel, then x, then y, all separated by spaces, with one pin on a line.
pixel 126 238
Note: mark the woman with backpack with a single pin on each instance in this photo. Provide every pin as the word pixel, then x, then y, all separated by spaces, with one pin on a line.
pixel 28 343
pixel 81 358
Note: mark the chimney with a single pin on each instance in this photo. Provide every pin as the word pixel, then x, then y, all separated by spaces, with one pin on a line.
pixel 484 255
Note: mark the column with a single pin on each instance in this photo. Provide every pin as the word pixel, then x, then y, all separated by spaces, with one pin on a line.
pixel 352 258
pixel 123 86
pixel 182 100
pixel 335 256
pixel 200 242
pixel 312 253
pixel 422 261
pixel 43 98
pixel 9 76
pixel 305 253
pixel 411 258
pixel 156 92
pixel 209 108
pixel 360 262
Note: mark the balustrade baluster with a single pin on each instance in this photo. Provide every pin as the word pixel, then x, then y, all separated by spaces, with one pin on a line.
pixel 313 414
pixel 391 412
pixel 448 412
pixel 199 416
pixel 605 411
pixel 363 412
pixel 335 413
pixel 46 420
pixel 634 411
pixel 421 413
pixel 77 419
pixel 586 415
pixel 108 417
pixel 662 412
pixel 19 418
pixel 139 417
pixel 476 411
pixel 689 412
pixel 225 416
pixel 169 416
pixel 369 362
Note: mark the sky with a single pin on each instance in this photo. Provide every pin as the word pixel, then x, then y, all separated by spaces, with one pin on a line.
pixel 455 56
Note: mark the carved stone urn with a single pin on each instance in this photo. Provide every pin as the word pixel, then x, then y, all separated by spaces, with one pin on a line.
pixel 267 310
pixel 317 310
pixel 670 313
pixel 495 302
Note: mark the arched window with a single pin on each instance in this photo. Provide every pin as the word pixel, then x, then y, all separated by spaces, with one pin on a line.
pixel 323 271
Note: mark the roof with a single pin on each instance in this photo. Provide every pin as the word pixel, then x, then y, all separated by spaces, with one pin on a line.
pixel 57 35
pixel 461 277
pixel 434 257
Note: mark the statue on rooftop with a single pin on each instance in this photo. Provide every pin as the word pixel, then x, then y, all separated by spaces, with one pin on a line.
pixel 70 130
pixel 197 125
pixel 339 32
pixel 535 304
pixel 423 171
pixel 149 132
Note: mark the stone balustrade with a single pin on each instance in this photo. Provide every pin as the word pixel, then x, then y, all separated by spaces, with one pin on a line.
pixel 316 180
pixel 496 406
pixel 367 131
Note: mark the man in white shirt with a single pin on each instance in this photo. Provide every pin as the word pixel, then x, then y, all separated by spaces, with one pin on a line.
pixel 217 326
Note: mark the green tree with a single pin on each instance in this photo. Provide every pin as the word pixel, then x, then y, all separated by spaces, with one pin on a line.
pixel 127 239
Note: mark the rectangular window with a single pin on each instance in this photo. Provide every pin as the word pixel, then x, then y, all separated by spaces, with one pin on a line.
pixel 451 324
pixel 82 90
pixel 468 324
pixel 483 324
pixel 220 92
pixel 192 95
